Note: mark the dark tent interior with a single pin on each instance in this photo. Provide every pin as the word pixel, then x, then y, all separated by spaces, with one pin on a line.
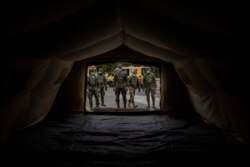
pixel 199 47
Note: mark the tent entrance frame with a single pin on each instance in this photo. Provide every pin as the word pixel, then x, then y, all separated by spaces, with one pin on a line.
pixel 100 61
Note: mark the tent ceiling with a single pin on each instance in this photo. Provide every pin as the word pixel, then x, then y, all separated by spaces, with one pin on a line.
pixel 125 54
pixel 183 29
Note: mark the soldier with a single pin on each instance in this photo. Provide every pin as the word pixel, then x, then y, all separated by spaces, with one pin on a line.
pixel 120 85
pixel 93 87
pixel 133 84
pixel 102 82
pixel 149 83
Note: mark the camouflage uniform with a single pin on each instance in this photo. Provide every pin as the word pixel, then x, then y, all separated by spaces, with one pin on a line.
pixel 133 84
pixel 102 82
pixel 149 83
pixel 93 87
pixel 120 82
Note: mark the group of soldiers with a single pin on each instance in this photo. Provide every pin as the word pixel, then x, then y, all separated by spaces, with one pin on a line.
pixel 97 85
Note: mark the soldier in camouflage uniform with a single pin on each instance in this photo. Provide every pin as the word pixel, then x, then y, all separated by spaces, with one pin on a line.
pixel 102 82
pixel 133 84
pixel 92 88
pixel 150 86
pixel 120 85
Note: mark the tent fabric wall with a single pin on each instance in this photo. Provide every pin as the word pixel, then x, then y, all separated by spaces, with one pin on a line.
pixel 174 96
pixel 33 103
pixel 165 82
pixel 73 90
pixel 15 104
pixel 85 29
pixel 202 93
pixel 230 92
pixel 215 104
pixel 94 50
pixel 150 49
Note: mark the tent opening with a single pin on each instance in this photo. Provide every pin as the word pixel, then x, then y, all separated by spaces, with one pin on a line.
pixel 136 88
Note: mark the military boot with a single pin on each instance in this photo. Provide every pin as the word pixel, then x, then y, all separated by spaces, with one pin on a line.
pixel 129 103
pixel 118 104
pixel 91 105
pixel 153 99
pixel 134 106
pixel 124 104
pixel 103 102
pixel 148 104
pixel 154 104
pixel 97 104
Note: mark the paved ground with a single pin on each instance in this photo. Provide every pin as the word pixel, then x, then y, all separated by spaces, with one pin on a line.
pixel 140 100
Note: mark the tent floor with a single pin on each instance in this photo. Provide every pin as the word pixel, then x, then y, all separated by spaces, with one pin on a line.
pixel 122 140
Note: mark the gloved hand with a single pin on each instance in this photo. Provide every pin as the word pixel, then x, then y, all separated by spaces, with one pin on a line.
pixel 106 88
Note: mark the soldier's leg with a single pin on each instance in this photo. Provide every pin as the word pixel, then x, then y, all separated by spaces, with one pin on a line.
pixel 153 96
pixel 102 93
pixel 133 99
pixel 129 103
pixel 117 94
pixel 102 99
pixel 148 98
pixel 96 94
pixel 130 97
pixel 90 99
pixel 124 92
pixel 153 100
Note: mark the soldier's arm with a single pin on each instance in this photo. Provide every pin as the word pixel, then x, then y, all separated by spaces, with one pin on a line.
pixel 105 82
pixel 87 82
pixel 127 80
pixel 143 81
pixel 154 81
pixel 138 85
pixel 114 80
pixel 97 83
